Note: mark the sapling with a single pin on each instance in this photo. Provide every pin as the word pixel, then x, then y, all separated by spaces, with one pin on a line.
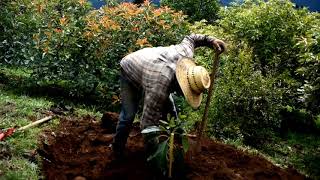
pixel 167 133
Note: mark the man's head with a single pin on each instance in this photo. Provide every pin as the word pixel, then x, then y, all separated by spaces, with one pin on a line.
pixel 193 80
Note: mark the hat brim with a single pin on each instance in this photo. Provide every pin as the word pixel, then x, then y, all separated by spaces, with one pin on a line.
pixel 193 98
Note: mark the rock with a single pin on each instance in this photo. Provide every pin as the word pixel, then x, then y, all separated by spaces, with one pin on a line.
pixel 79 178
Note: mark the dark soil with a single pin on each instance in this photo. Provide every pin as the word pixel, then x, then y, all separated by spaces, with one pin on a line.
pixel 79 149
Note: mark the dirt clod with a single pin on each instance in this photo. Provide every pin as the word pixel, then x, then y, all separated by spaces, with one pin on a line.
pixel 79 178
pixel 81 149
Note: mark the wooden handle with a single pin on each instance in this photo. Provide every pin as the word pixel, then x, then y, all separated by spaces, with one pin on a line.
pixel 35 123
pixel 203 124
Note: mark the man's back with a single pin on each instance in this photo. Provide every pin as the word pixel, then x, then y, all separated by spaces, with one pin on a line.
pixel 144 67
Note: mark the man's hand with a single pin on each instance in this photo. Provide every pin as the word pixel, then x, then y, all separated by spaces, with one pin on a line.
pixel 219 45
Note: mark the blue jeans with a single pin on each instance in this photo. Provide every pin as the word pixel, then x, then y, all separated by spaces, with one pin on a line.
pixel 130 98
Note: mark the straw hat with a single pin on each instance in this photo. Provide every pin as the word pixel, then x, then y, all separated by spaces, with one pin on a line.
pixel 193 80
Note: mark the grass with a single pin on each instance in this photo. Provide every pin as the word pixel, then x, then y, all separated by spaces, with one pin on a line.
pixel 18 108
pixel 300 151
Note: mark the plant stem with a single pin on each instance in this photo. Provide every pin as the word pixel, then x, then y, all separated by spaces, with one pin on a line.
pixel 171 141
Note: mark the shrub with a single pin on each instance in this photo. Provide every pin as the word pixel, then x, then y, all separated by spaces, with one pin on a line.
pixel 18 23
pixel 78 48
pixel 196 9
pixel 309 67
pixel 258 77
pixel 272 30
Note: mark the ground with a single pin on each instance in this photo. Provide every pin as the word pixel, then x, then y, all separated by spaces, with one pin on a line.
pixel 80 148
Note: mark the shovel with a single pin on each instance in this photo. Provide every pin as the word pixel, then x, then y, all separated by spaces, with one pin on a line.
pixel 10 131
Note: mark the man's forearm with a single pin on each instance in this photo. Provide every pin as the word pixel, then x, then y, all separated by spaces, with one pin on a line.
pixel 199 40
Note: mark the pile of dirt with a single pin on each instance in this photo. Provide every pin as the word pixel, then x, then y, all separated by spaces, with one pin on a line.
pixel 80 149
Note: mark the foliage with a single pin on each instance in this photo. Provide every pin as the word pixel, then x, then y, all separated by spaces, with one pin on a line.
pixel 73 46
pixel 169 133
pixel 259 78
pixel 196 9
pixel 309 69
pixel 17 25
pixel 272 29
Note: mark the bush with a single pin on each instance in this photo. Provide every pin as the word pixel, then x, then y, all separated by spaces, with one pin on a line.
pixel 309 69
pixel 272 30
pixel 18 23
pixel 79 48
pixel 195 9
pixel 258 78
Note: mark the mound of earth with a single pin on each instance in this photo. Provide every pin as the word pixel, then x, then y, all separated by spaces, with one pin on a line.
pixel 80 149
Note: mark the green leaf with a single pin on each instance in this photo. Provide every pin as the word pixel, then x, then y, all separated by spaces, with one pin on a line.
pixel 163 122
pixel 161 153
pixel 172 123
pixel 182 116
pixel 150 130
pixel 185 143
pixel 162 128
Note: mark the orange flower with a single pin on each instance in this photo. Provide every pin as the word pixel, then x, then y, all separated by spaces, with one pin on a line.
pixel 161 22
pixel 35 37
pixel 82 2
pixel 63 21
pixel 48 34
pixel 46 46
pixel 127 5
pixel 107 23
pixel 105 20
pixel 146 3
pixel 115 27
pixel 157 12
pixel 167 9
pixel 147 17
pixel 57 30
pixel 49 25
pixel 45 50
pixel 166 27
pixel 125 15
pixel 130 50
pixel 94 26
pixel 88 34
pixel 136 29
pixel 142 42
pixel 115 99
pixel 40 8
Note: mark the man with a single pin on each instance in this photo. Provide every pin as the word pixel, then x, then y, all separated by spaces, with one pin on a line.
pixel 152 74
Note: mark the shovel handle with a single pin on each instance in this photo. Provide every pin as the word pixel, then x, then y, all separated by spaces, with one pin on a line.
pixel 35 123
pixel 210 92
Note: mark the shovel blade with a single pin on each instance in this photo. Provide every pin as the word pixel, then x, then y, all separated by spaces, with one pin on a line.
pixel 2 136
pixel 7 133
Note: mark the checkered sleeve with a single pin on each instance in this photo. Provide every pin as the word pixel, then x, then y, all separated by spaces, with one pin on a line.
pixel 192 41
pixel 198 40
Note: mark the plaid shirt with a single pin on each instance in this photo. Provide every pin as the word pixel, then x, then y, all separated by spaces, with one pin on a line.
pixel 153 70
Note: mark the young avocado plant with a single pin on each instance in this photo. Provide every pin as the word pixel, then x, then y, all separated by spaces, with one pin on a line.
pixel 173 137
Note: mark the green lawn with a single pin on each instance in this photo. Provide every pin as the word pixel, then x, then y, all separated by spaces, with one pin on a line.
pixel 17 108
pixel 302 151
